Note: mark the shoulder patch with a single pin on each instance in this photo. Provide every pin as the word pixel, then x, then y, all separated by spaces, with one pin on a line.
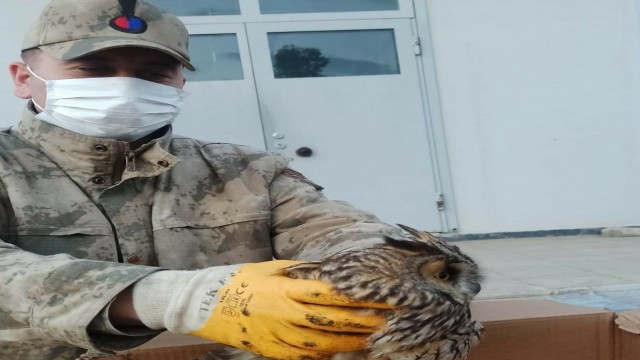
pixel 298 176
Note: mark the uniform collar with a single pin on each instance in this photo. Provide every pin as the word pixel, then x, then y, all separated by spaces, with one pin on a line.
pixel 95 163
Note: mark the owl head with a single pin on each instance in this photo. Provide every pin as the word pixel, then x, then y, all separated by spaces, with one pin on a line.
pixel 438 265
pixel 408 271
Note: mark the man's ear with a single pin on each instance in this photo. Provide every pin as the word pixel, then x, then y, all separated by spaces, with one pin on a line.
pixel 20 76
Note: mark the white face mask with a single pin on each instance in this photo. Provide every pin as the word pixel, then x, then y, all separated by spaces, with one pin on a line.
pixel 120 108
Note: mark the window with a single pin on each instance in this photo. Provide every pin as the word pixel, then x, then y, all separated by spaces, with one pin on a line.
pixel 333 53
pixel 199 7
pixel 215 57
pixel 313 6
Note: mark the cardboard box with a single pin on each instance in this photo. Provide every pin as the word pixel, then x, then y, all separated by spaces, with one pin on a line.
pixel 542 330
pixel 190 352
pixel 514 330
pixel 167 346
pixel 627 335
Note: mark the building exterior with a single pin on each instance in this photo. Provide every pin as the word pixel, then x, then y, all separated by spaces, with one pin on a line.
pixel 456 116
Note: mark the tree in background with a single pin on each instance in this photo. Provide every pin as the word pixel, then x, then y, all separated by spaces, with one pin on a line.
pixel 295 62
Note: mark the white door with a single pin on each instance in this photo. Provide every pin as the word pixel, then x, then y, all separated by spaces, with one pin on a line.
pixel 222 104
pixel 343 100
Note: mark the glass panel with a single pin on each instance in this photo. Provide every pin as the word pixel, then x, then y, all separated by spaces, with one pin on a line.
pixel 312 6
pixel 333 53
pixel 215 57
pixel 199 7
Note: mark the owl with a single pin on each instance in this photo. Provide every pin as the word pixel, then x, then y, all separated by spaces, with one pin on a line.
pixel 429 283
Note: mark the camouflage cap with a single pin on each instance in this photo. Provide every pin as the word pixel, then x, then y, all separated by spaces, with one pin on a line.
pixel 68 29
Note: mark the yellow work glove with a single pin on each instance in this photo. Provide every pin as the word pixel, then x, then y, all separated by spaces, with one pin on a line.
pixel 278 317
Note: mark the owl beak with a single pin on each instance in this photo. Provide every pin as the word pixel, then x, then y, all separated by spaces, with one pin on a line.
pixel 475 288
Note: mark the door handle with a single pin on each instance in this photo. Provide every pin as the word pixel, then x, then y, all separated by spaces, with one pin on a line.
pixel 304 152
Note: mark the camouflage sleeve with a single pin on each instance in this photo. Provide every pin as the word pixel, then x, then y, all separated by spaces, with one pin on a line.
pixel 53 299
pixel 308 226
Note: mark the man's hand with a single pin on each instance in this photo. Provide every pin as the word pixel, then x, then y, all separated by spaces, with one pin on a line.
pixel 121 311
pixel 278 317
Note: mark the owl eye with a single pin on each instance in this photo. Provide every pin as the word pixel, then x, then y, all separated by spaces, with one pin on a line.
pixel 443 275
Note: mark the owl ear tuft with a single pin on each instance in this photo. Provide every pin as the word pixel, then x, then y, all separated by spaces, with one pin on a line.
pixel 412 245
pixel 422 235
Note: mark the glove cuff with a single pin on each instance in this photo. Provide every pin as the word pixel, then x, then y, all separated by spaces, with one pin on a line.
pixel 178 300
pixel 153 294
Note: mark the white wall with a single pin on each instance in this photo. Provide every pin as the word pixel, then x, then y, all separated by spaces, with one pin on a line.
pixel 16 17
pixel 540 103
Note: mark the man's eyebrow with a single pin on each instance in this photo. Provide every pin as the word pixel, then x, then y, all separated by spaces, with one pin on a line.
pixel 87 60
pixel 165 64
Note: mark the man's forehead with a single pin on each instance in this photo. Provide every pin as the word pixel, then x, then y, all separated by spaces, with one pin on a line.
pixel 131 54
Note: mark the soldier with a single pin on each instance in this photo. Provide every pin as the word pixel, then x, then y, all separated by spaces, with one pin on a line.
pixel 113 230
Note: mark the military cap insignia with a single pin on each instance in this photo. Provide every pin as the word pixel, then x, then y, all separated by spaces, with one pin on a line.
pixel 128 22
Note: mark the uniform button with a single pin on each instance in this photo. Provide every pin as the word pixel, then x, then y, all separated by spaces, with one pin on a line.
pixel 101 147
pixel 133 259
pixel 98 180
pixel 163 163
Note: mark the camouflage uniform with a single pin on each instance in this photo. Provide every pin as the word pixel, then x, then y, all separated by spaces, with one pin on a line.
pixel 175 203
pixel 83 218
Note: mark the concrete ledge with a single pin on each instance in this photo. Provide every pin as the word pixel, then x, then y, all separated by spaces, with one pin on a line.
pixel 621 231
pixel 519 234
